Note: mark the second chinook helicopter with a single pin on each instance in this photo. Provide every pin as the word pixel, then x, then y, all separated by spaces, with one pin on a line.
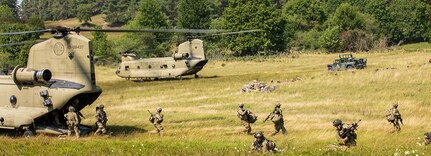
pixel 188 60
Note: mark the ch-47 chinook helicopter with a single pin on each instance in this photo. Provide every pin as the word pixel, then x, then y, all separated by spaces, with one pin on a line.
pixel 188 60
pixel 59 73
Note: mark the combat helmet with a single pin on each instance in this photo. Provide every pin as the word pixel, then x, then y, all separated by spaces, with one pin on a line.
pixel 395 104
pixel 101 106
pixel 427 135
pixel 159 109
pixel 278 105
pixel 259 135
pixel 241 105
pixel 71 109
pixel 337 122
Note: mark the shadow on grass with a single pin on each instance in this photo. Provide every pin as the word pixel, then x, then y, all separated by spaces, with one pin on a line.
pixel 197 119
pixel 176 79
pixel 124 130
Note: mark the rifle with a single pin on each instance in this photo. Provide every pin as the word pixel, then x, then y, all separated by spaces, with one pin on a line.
pixel 150 112
pixel 268 116
pixel 401 119
pixel 350 129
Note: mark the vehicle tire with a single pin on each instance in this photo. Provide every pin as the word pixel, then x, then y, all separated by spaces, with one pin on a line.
pixel 330 69
pixel 349 67
pixel 28 133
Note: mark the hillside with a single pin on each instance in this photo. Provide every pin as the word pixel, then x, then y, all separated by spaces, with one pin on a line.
pixel 74 22
pixel 200 114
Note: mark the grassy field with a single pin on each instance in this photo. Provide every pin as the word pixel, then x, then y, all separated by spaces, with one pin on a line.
pixel 200 114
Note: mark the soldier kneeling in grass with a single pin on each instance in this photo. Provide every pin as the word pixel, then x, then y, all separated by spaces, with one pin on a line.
pixel 427 138
pixel 262 144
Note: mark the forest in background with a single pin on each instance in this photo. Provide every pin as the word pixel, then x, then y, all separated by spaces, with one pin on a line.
pixel 330 25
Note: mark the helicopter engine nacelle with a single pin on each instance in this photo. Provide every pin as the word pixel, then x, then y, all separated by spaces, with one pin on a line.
pixel 180 56
pixel 28 75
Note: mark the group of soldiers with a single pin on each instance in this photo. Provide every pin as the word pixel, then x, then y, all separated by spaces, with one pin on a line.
pixel 345 133
pixel 261 142
pixel 73 119
pixel 255 86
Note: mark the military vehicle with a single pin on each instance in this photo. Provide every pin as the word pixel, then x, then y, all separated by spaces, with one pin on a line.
pixel 347 62
pixel 59 73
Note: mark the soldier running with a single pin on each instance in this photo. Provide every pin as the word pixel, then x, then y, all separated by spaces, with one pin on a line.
pixel 157 120
pixel 393 116
pixel 276 117
pixel 101 120
pixel 346 134
pixel 244 116
pixel 73 121
pixel 262 144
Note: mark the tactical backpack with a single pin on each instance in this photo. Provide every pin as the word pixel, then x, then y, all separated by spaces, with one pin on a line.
pixel 390 116
pixel 270 145
pixel 251 117
pixel 151 119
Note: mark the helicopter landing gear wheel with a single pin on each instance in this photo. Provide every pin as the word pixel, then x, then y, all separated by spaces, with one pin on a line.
pixel 27 132
pixel 196 76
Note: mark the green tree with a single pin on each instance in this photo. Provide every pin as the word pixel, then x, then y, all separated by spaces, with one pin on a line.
pixel 7 15
pixel 256 14
pixel 102 47
pixel 16 55
pixel 347 17
pixel 305 14
pixel 84 12
pixel 330 39
pixel 120 11
pixel 149 16
pixel 194 14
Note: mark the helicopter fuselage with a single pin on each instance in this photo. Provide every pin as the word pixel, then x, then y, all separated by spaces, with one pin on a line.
pixel 189 60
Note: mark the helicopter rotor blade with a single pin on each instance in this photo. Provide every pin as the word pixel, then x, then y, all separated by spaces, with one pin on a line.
pixel 195 31
pixel 26 32
pixel 20 43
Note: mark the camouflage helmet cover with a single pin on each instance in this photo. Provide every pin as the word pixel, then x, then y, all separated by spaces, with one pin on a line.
pixel 71 109
pixel 427 135
pixel 101 106
pixel 278 105
pixel 337 122
pixel 159 109
pixel 241 105
pixel 395 104
pixel 258 134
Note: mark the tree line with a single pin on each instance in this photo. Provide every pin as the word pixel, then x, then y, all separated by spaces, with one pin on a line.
pixel 332 25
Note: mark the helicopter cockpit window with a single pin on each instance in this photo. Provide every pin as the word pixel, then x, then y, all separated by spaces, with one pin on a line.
pixel 126 68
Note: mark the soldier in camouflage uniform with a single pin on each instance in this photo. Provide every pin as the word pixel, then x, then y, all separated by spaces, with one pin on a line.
pixel 346 134
pixel 244 116
pixel 393 116
pixel 427 138
pixel 262 144
pixel 276 117
pixel 101 120
pixel 157 120
pixel 73 121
